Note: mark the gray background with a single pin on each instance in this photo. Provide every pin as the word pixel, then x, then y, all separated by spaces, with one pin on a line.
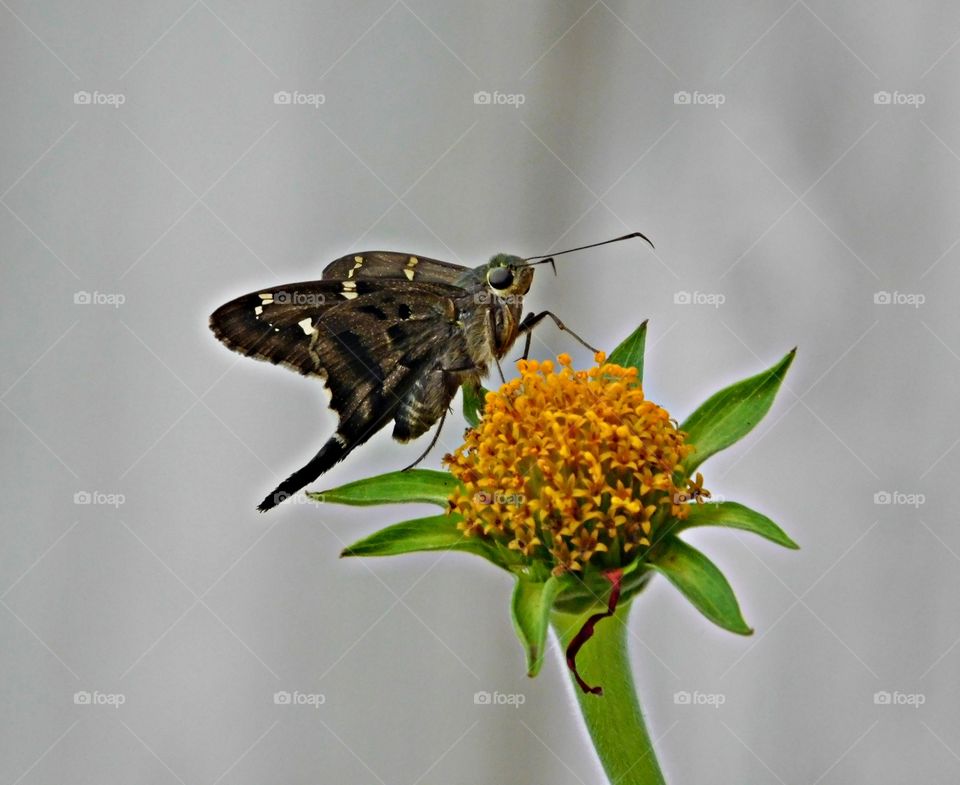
pixel 798 199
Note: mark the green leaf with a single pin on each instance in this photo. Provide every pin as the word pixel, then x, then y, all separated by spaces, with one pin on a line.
pixel 701 582
pixel 629 354
pixel 729 415
pixel 415 485
pixel 734 516
pixel 435 533
pixel 474 399
pixel 530 608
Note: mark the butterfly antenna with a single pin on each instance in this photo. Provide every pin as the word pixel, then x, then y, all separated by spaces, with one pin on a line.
pixel 548 257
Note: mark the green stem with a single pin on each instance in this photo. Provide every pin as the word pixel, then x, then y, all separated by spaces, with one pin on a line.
pixel 614 719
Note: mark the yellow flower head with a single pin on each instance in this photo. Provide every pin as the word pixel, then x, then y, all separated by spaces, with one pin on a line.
pixel 571 467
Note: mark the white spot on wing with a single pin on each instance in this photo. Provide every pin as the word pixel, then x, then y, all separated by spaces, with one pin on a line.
pixel 349 295
pixel 408 271
pixel 357 266
pixel 307 326
pixel 258 310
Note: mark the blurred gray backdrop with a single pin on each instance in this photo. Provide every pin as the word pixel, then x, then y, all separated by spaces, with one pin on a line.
pixel 796 163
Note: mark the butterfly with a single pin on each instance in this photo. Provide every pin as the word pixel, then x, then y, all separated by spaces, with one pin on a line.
pixel 393 336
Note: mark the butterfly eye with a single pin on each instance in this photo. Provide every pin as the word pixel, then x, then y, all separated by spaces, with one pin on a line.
pixel 500 277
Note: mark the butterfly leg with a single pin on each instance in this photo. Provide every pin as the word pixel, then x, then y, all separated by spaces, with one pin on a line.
pixel 503 379
pixel 492 339
pixel 531 320
pixel 433 443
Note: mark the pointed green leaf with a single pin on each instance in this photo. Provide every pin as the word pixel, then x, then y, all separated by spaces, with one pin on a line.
pixel 415 485
pixel 436 533
pixel 474 399
pixel 629 354
pixel 701 582
pixel 729 415
pixel 530 608
pixel 734 516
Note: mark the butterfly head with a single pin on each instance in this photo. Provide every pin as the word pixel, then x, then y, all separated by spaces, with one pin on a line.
pixel 508 275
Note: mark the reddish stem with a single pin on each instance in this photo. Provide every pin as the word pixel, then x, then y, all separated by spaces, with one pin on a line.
pixel 586 632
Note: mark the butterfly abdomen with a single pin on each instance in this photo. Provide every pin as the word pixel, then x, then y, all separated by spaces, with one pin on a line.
pixel 425 403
